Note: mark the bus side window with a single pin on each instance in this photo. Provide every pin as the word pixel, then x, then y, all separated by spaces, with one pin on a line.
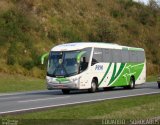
pixel 133 56
pixel 83 64
pixel 85 59
pixel 125 56
pixel 107 56
pixel 117 55
pixel 97 56
pixel 141 56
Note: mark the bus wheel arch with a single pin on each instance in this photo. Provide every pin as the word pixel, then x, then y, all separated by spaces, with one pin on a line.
pixel 94 85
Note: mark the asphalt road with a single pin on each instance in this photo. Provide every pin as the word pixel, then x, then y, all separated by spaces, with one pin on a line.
pixel 21 102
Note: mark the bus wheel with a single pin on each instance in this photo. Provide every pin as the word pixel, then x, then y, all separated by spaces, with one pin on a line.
pixel 65 91
pixel 159 85
pixel 93 87
pixel 131 83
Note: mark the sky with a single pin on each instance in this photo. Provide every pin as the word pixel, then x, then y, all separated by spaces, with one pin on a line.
pixel 145 1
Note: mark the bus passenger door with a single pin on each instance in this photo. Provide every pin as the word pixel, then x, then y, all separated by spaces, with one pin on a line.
pixel 84 68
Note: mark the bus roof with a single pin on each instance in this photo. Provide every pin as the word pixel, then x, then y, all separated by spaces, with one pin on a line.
pixel 82 45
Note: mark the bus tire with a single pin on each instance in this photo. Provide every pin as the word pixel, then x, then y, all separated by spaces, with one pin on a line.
pixel 131 83
pixel 65 91
pixel 93 86
pixel 159 85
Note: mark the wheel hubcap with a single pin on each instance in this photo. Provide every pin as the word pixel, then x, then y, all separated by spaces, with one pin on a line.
pixel 93 86
pixel 132 84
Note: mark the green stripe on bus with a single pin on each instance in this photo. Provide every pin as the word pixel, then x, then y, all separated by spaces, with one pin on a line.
pixel 136 49
pixel 133 69
pixel 62 80
pixel 114 75
pixel 105 73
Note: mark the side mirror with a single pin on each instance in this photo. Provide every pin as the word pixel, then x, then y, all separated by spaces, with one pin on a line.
pixel 80 55
pixel 43 57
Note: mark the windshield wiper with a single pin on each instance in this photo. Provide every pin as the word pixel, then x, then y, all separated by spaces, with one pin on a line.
pixel 71 74
pixel 51 75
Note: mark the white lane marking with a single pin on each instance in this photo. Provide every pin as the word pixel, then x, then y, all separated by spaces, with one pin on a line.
pixel 50 106
pixel 35 100
pixel 29 92
pixel 9 98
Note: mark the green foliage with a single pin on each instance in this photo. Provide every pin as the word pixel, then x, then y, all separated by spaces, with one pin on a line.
pixel 146 17
pixel 70 35
pixel 28 28
pixel 14 25
pixel 104 31
pixel 11 60
pixel 13 52
pixel 29 65
pixel 19 83
pixel 116 13
pixel 53 35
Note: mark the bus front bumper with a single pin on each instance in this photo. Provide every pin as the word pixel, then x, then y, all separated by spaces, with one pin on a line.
pixel 51 86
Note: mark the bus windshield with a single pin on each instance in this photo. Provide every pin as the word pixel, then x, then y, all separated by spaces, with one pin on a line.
pixel 66 63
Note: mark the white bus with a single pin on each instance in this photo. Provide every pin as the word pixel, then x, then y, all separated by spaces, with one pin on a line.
pixel 91 66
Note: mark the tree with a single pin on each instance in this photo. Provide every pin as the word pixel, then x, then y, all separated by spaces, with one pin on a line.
pixel 154 4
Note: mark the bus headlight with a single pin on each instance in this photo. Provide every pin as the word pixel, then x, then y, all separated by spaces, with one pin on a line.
pixel 76 80
pixel 49 80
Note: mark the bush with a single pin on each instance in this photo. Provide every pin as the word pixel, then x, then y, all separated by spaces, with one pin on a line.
pixel 104 32
pixel 36 72
pixel 116 13
pixel 29 65
pixel 152 69
pixel 30 27
pixel 11 60
pixel 53 35
pixel 71 35
pixel 12 54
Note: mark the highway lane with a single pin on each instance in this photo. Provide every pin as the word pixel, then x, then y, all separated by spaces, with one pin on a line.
pixel 19 102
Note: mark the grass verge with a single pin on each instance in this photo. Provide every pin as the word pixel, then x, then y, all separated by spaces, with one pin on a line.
pixel 19 83
pixel 152 78
pixel 132 108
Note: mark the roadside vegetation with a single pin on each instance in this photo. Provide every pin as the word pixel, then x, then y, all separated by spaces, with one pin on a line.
pixel 19 83
pixel 152 78
pixel 29 28
pixel 133 108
